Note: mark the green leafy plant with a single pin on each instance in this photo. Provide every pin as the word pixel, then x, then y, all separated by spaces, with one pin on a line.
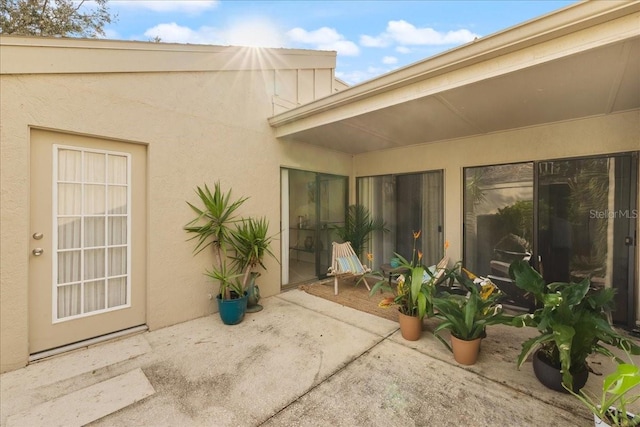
pixel 61 18
pixel 218 226
pixel 467 316
pixel 571 319
pixel 228 279
pixel 358 227
pixel 251 242
pixel 414 291
pixel 212 225
pixel 619 390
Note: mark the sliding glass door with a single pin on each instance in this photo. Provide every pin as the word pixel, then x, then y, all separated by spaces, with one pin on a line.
pixel 571 218
pixel 312 203
pixel 498 223
pixel 586 224
pixel 407 203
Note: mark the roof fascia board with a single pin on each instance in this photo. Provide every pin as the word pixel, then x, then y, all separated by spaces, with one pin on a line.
pixel 548 27
pixel 42 55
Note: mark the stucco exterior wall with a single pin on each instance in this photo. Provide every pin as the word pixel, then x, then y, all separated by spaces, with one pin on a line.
pixel 592 136
pixel 199 127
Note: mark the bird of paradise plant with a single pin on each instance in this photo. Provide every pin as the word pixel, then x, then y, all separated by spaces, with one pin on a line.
pixel 467 316
pixel 414 291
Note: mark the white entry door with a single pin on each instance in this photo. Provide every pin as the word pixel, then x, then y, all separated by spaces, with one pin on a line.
pixel 87 274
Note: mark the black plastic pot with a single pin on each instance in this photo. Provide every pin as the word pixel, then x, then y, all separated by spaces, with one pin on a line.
pixel 551 377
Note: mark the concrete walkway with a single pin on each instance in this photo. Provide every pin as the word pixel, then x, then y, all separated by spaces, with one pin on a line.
pixel 302 361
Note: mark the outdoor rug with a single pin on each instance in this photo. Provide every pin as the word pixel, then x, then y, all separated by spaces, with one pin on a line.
pixel 354 296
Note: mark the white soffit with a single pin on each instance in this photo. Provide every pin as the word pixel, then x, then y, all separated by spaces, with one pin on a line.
pixel 581 61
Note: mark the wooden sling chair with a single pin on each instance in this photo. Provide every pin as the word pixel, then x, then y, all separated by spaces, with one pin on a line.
pixel 345 262
pixel 440 268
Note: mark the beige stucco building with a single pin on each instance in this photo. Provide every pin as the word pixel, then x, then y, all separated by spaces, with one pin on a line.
pixel 157 120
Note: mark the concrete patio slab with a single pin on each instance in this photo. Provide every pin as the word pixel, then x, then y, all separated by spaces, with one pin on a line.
pixel 374 324
pixel 88 404
pixel 302 360
pixel 75 363
pixel 393 385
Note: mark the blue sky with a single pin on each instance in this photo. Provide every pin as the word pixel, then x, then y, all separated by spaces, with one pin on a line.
pixel 371 37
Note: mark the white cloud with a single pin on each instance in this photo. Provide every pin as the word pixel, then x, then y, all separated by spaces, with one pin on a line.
pixel 256 32
pixel 324 39
pixel 174 33
pixel 248 32
pixel 403 33
pixel 343 47
pixel 389 60
pixel 403 49
pixel 407 34
pixel 188 6
pixel 354 77
pixel 358 76
pixel 369 41
pixel 320 36
pixel 111 34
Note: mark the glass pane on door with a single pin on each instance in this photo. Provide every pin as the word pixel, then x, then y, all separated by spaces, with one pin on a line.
pixel 332 205
pixel 406 203
pixel 91 198
pixel 498 223
pixel 316 202
pixel 302 218
pixel 409 206
pixel 586 221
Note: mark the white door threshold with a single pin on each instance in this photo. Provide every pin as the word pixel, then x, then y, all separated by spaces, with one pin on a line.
pixel 86 343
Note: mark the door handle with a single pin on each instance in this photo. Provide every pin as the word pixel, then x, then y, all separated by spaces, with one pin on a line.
pixel 38 251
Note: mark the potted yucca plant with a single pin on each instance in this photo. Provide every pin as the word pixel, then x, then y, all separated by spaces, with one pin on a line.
pixel 239 245
pixel 251 243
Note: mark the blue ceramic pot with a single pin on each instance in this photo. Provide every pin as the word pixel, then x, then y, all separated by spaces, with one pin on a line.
pixel 232 310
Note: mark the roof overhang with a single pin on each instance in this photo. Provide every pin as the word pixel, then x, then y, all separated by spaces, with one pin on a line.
pixel 580 61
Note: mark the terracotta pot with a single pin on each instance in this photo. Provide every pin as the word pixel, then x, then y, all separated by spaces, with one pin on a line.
pixel 465 352
pixel 410 326
pixel 551 377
